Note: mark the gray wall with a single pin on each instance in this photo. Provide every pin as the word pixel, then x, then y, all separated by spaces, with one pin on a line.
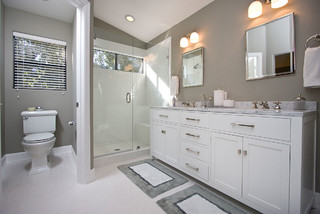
pixel 1 75
pixel 108 32
pixel 16 20
pixel 221 26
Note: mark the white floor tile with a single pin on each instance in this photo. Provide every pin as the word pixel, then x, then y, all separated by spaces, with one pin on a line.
pixel 57 191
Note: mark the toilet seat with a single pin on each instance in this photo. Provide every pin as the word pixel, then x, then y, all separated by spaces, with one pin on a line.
pixel 38 138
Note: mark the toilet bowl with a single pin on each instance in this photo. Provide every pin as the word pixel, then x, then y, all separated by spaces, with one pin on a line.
pixel 39 146
pixel 39 126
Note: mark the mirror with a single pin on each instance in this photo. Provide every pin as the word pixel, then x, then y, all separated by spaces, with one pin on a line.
pixel 192 68
pixel 270 49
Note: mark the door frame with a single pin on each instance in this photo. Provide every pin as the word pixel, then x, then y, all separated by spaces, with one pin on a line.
pixel 83 18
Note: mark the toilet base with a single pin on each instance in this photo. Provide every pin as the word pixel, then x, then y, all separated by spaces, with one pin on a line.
pixel 40 164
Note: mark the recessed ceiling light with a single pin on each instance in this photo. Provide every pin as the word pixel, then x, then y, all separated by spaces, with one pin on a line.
pixel 129 18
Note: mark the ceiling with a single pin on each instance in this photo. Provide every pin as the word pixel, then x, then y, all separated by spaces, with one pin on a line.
pixel 152 17
pixel 56 9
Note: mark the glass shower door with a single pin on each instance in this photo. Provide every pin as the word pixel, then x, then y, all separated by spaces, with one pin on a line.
pixel 112 111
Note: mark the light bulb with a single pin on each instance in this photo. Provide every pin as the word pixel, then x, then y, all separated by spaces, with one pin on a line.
pixel 255 9
pixel 194 37
pixel 184 42
pixel 278 3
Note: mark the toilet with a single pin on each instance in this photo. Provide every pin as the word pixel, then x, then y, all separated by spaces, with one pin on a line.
pixel 38 127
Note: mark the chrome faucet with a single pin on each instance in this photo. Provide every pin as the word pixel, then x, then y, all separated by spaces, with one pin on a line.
pixel 264 105
pixel 185 104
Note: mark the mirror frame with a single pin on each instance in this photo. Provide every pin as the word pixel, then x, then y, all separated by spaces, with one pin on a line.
pixel 183 70
pixel 292 54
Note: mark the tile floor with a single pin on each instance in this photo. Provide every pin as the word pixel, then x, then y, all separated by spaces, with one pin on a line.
pixel 57 191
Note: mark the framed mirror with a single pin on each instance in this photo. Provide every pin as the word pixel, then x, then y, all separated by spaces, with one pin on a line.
pixel 270 49
pixel 192 68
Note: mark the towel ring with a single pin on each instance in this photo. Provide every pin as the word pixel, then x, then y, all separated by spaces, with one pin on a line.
pixel 316 38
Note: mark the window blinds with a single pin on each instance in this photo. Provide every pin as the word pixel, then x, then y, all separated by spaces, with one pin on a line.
pixel 39 63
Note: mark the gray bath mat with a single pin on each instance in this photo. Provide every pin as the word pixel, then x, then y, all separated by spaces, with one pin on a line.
pixel 196 199
pixel 152 177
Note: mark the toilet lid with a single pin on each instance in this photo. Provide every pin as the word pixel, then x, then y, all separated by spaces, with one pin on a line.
pixel 39 137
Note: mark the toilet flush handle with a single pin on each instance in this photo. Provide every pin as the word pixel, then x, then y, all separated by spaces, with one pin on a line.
pixel 71 123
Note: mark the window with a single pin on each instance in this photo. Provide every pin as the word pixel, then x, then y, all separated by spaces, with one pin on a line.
pixel 114 61
pixel 39 63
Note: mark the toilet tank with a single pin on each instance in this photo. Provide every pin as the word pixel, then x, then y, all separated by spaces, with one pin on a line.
pixel 39 121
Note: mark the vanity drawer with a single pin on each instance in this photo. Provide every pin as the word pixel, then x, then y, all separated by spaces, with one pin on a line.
pixel 171 116
pixel 196 119
pixel 196 151
pixel 268 127
pixel 195 135
pixel 195 167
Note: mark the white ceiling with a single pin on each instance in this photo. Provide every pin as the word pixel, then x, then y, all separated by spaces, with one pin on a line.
pixel 56 9
pixel 152 17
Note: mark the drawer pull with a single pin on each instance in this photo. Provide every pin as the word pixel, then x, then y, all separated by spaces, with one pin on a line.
pixel 190 150
pixel 239 151
pixel 163 131
pixel 241 124
pixel 192 119
pixel 192 135
pixel 192 167
pixel 162 115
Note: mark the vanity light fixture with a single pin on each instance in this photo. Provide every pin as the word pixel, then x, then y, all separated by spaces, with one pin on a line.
pixel 194 38
pixel 255 8
pixel 278 3
pixel 129 18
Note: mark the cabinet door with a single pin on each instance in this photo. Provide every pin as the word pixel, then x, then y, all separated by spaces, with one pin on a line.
pixel 266 174
pixel 158 140
pixel 172 144
pixel 226 162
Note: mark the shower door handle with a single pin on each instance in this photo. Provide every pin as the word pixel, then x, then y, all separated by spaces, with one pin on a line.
pixel 128 97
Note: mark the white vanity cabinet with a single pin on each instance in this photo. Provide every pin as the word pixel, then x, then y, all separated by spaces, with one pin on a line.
pixel 253 169
pixel 265 160
pixel 165 135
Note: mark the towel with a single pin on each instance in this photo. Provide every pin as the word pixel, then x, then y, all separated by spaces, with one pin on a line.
pixel 174 86
pixel 311 67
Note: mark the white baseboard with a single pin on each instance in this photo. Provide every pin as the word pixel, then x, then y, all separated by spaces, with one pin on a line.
pixel 19 156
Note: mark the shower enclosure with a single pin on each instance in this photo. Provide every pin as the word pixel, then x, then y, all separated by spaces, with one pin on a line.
pixel 127 80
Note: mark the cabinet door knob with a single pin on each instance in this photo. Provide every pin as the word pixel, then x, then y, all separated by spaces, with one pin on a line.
pixel 239 151
pixel 245 153
pixel 163 131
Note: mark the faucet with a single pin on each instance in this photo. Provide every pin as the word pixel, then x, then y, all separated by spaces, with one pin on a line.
pixel 264 104
pixel 185 104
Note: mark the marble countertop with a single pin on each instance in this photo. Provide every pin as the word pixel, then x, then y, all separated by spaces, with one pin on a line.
pixel 272 112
